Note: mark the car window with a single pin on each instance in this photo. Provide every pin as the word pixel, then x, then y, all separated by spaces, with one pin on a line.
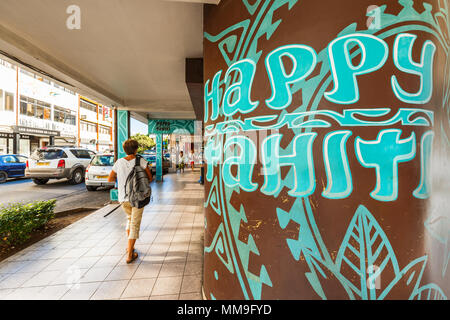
pixel 9 159
pixel 22 159
pixel 103 161
pixel 150 158
pixel 48 154
pixel 81 154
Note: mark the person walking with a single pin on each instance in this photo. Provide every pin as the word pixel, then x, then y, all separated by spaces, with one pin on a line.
pixel 202 168
pixel 192 159
pixel 120 172
pixel 181 162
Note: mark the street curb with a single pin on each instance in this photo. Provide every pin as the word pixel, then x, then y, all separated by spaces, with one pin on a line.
pixel 77 210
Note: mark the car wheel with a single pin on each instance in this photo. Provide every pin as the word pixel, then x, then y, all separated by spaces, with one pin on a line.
pixel 40 182
pixel 77 177
pixel 91 188
pixel 3 176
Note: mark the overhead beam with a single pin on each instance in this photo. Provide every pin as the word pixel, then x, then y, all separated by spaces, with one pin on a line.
pixel 194 84
pixel 197 1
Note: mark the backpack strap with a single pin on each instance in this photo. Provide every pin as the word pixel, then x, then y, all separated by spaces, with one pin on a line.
pixel 136 164
pixel 138 161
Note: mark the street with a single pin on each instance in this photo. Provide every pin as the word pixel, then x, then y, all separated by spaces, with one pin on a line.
pixel 68 196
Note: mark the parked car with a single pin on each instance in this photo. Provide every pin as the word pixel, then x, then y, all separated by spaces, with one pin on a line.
pixel 151 159
pixel 58 163
pixel 98 171
pixel 12 166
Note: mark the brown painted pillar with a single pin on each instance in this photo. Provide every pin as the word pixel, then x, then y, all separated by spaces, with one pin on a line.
pixel 327 143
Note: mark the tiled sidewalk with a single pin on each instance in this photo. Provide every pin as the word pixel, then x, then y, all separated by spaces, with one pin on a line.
pixel 87 259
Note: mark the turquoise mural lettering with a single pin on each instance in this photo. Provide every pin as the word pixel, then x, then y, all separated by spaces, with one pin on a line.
pixel 212 96
pixel 300 159
pixel 426 143
pixel 384 154
pixel 339 177
pixel 304 60
pixel 374 53
pixel 403 60
pixel 244 161
pixel 365 254
pixel 213 155
pixel 242 102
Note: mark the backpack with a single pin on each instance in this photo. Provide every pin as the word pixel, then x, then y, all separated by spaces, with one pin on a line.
pixel 137 186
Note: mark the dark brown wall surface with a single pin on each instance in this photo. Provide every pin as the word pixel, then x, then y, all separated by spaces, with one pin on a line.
pixel 354 246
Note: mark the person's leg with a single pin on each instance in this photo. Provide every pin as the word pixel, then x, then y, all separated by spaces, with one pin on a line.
pixel 127 209
pixel 135 225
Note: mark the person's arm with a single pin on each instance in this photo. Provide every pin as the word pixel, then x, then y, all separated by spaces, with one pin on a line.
pixel 149 174
pixel 144 163
pixel 112 176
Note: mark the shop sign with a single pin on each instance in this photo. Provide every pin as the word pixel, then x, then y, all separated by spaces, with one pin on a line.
pixel 37 131
pixel 6 135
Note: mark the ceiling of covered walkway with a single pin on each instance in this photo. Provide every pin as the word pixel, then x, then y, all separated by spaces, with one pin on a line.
pixel 128 53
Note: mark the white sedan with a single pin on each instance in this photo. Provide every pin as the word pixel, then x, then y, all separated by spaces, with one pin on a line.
pixel 98 171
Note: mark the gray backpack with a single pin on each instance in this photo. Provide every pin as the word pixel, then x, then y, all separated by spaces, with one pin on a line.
pixel 137 186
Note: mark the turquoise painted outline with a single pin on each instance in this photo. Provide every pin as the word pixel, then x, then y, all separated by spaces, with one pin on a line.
pixel 236 85
pixel 423 190
pixel 396 88
pixel 353 38
pixel 345 134
pixel 397 160
pixel 287 84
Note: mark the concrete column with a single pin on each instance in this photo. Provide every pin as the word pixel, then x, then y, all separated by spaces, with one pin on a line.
pixel 327 150
pixel 122 132
pixel 159 157
pixel 16 143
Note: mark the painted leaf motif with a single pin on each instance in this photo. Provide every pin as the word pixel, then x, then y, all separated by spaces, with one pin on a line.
pixel 366 257
pixel 429 292
pixel 407 281
pixel 325 282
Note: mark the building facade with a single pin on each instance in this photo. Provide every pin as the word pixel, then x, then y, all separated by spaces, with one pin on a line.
pixel 36 112
pixel 96 125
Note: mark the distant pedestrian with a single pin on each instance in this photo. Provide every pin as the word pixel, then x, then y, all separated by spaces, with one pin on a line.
pixel 192 159
pixel 202 168
pixel 181 162
pixel 120 172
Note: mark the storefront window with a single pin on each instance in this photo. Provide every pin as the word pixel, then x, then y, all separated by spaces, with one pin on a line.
pixel 24 147
pixel 3 146
pixel 88 106
pixel 35 108
pixel 9 101
pixel 105 130
pixel 10 146
pixel 40 112
pixel 64 116
pixel 88 127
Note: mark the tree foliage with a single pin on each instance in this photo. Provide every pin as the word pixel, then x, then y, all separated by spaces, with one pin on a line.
pixel 145 142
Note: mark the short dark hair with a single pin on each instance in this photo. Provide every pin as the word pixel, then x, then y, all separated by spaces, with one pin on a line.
pixel 130 146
